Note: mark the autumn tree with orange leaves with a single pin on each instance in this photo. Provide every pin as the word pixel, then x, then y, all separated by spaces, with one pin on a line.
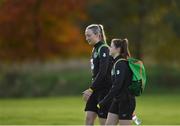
pixel 41 29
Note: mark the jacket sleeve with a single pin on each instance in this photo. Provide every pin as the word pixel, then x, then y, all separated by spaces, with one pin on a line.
pixel 120 73
pixel 103 67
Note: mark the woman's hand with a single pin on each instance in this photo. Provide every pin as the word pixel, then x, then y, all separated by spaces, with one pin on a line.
pixel 86 94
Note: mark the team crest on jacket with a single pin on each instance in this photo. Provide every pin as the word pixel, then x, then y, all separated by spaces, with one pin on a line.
pixel 104 54
pixel 118 72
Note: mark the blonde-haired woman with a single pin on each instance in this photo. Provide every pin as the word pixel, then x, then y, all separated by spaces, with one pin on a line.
pixel 101 75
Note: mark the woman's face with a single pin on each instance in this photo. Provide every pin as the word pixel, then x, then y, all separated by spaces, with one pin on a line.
pixel 91 38
pixel 113 50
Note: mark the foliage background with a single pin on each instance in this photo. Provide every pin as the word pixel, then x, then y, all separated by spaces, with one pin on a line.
pixel 44 58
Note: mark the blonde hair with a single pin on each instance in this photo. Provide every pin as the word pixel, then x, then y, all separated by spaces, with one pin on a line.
pixel 98 29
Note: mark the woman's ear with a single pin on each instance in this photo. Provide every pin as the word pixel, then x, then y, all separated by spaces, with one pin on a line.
pixel 99 35
pixel 119 50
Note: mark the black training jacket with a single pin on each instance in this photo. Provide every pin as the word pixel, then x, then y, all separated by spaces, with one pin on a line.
pixel 121 80
pixel 101 65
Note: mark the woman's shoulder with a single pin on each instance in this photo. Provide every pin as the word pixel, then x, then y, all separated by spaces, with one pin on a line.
pixel 104 47
pixel 103 51
pixel 121 63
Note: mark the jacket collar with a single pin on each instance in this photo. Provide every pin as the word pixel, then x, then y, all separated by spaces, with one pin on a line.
pixel 98 44
pixel 118 57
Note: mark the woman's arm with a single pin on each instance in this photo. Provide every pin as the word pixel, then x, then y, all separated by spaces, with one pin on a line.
pixel 120 73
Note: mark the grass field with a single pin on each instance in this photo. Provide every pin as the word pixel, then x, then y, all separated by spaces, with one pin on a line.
pixel 152 109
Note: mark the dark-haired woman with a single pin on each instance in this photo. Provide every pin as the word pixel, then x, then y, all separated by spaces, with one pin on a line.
pixel 123 104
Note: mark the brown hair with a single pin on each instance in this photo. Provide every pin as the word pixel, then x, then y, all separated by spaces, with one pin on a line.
pixel 123 45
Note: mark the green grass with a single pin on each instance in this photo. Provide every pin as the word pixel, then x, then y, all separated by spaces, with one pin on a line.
pixel 152 109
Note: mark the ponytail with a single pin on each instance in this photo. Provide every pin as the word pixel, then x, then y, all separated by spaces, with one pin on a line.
pixel 103 37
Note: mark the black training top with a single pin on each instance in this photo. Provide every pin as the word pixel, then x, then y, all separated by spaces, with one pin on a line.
pixel 122 78
pixel 101 65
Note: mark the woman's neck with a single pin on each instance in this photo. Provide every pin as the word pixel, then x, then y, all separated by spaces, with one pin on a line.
pixel 96 42
pixel 116 55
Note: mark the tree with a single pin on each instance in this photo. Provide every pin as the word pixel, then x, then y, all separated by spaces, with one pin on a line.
pixel 41 29
pixel 141 21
